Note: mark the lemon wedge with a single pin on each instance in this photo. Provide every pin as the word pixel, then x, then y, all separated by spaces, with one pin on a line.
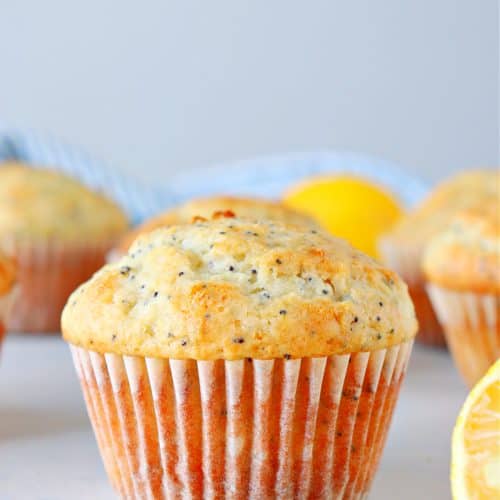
pixel 348 207
pixel 475 462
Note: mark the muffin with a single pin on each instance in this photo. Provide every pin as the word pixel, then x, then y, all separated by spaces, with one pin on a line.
pixel 241 359
pixel 7 282
pixel 403 247
pixel 253 208
pixel 462 265
pixel 59 233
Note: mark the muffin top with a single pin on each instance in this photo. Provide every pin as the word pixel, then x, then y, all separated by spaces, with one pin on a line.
pixel 252 208
pixel 230 288
pixel 434 214
pixel 466 254
pixel 37 204
pixel 7 274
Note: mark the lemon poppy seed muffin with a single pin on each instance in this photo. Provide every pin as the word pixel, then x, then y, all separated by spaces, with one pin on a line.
pixel 466 254
pixel 36 204
pixel 274 352
pixel 403 248
pixel 59 232
pixel 462 266
pixel 449 197
pixel 252 208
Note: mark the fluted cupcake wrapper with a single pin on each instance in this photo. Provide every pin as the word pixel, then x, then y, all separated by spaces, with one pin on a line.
pixel 403 260
pixel 472 329
pixel 311 427
pixel 47 274
pixel 5 305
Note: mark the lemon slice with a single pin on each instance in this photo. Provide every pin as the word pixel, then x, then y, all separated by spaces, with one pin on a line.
pixel 348 207
pixel 475 462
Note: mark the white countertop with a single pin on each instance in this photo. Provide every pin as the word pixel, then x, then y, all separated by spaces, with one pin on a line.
pixel 48 452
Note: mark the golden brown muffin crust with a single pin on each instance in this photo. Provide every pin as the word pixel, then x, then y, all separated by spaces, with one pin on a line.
pixel 436 211
pixel 251 208
pixel 466 254
pixel 38 204
pixel 231 289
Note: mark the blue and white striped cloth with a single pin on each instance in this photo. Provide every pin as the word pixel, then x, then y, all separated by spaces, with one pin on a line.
pixel 263 176
pixel 139 201
pixel 270 176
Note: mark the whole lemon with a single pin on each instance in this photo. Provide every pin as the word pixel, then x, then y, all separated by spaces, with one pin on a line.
pixel 349 207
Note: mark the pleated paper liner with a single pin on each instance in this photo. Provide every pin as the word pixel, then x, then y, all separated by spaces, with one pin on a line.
pixel 5 306
pixel 405 261
pixel 472 328
pixel 430 332
pixel 47 274
pixel 3 313
pixel 303 428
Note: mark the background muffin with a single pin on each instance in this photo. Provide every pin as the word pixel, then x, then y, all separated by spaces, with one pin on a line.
pixel 59 232
pixel 462 265
pixel 402 249
pixel 253 208
pixel 228 356
pixel 7 281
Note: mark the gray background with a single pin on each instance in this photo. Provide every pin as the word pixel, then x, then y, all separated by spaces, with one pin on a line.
pixel 155 87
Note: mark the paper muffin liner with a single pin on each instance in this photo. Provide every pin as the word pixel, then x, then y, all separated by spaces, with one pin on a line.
pixel 405 261
pixel 47 274
pixel 472 329
pixel 5 305
pixel 302 428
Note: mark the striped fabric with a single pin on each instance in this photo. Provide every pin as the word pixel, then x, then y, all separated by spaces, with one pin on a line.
pixel 272 175
pixel 262 176
pixel 139 201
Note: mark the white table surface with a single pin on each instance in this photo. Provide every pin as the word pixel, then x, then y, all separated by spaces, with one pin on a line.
pixel 48 452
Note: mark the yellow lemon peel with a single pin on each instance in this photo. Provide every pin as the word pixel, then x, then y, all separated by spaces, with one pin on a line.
pixel 475 463
pixel 351 208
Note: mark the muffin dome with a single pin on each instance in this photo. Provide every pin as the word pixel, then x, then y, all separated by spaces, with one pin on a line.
pixel 252 208
pixel 466 254
pixel 435 212
pixel 403 247
pixel 230 288
pixel 37 204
